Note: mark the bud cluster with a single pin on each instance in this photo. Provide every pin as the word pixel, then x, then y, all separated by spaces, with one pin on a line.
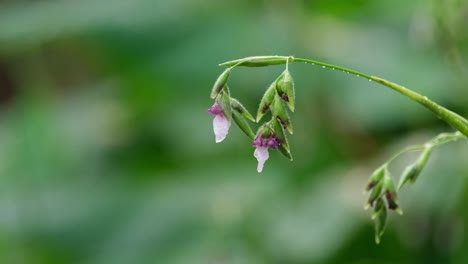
pixel 382 192
pixel 383 196
pixel 278 98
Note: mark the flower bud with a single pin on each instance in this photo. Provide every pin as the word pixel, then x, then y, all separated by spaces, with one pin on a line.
pixel 243 124
pixel 379 205
pixel 285 86
pixel 258 61
pixel 375 194
pixel 390 193
pixel 380 221
pixel 224 101
pixel 220 83
pixel 278 131
pixel 266 101
pixel 412 172
pixel 280 113
pixel 375 178
pixel 238 107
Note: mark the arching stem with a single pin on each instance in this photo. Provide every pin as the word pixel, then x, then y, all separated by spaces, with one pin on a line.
pixel 453 119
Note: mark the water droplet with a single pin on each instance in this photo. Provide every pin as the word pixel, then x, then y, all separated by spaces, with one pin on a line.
pixel 370 80
pixel 323 67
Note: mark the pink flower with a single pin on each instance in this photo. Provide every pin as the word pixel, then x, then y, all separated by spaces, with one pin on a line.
pixel 220 123
pixel 261 152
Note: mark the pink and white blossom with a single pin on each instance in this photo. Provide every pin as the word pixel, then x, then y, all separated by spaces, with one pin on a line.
pixel 220 123
pixel 261 152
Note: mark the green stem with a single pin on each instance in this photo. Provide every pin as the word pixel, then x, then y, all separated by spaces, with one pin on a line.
pixel 453 119
pixel 434 142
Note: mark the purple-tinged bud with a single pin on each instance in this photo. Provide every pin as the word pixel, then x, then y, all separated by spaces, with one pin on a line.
pixel 375 194
pixel 280 113
pixel 279 133
pixel 375 178
pixel 285 87
pixel 220 83
pixel 390 193
pixel 266 101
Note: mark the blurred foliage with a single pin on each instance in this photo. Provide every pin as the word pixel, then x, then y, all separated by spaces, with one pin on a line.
pixel 107 154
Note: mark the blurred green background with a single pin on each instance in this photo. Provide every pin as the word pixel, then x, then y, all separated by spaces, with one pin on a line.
pixel 107 154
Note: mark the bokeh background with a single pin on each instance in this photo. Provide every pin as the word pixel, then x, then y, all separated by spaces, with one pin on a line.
pixel 107 154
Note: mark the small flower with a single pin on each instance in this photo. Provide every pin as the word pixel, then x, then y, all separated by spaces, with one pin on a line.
pixel 262 144
pixel 220 123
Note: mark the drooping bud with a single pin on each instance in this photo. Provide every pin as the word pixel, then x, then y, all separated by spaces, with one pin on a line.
pixel 280 113
pixel 390 193
pixel 220 83
pixel 278 131
pixel 266 101
pixel 242 124
pixel 380 220
pixel 237 106
pixel 375 194
pixel 375 178
pixel 378 208
pixel 285 86
pixel 412 172
pixel 224 101
pixel 258 61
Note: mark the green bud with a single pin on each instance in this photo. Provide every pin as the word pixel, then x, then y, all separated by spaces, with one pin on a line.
pixel 243 124
pixel 375 178
pixel 375 194
pixel 220 83
pixel 238 107
pixel 285 86
pixel 279 111
pixel 379 206
pixel 279 133
pixel 412 172
pixel 224 101
pixel 380 223
pixel 390 193
pixel 264 131
pixel 266 101
pixel 258 61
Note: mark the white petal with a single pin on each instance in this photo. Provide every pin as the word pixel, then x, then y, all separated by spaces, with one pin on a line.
pixel 220 127
pixel 261 153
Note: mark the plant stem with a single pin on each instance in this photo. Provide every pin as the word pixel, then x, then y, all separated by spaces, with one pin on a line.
pixel 453 119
